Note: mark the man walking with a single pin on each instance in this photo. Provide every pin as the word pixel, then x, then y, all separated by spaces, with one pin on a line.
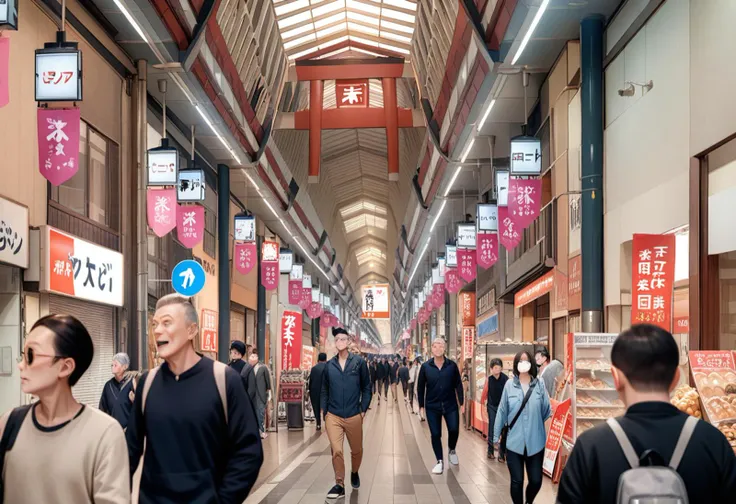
pixel 395 378
pixel 262 384
pixel 248 376
pixel 115 401
pixel 381 376
pixel 237 352
pixel 492 393
pixel 346 396
pixel 315 387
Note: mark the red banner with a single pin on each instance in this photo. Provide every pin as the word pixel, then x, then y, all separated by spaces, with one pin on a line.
pixel 208 330
pixel 487 249
pixel 554 437
pixel 190 225
pixel 509 232
pixel 466 307
pixel 452 281
pixel 306 298
pixel 295 291
pixel 525 196
pixel 574 283
pixel 270 275
pixel 161 209
pixel 653 277
pixel 413 324
pixel 58 144
pixel 314 310
pixel 466 264
pixel 245 257
pixel 439 295
pixel 468 342
pixel 291 340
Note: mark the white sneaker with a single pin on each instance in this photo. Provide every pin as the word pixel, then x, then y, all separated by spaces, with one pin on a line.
pixel 453 458
pixel 438 468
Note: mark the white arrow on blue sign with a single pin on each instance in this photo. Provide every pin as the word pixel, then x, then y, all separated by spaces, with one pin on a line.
pixel 188 278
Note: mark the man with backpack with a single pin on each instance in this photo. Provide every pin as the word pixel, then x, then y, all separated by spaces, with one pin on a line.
pixel 653 441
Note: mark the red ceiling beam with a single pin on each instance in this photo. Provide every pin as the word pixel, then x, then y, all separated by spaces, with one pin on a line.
pixel 335 69
pixel 345 118
pixel 353 45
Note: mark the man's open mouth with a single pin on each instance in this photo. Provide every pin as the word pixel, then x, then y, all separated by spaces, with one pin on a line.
pixel 159 344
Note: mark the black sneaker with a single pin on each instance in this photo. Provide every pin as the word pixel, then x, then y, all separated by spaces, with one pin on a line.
pixel 355 480
pixel 336 492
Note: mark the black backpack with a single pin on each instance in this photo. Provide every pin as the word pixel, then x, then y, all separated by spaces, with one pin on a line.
pixel 9 435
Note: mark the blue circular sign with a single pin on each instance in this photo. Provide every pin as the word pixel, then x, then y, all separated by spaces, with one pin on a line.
pixel 188 278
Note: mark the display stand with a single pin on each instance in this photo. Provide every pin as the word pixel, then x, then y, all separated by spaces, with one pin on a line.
pixel 291 393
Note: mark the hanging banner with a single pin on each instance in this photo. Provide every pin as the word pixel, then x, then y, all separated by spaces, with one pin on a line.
pixel 466 264
pixel 314 310
pixel 413 324
pixel 487 251
pixel 376 301
pixel 161 208
pixel 554 437
pixel 190 185
pixel 244 228
pixel 295 292
pixel 653 276
pixel 306 298
pixel 468 342
pixel 208 331
pixel 245 257
pixel 524 200
pixel 502 188
pixel 307 357
pixel 190 225
pixel 452 281
pixel 486 217
pixel 466 305
pixel 270 265
pixel 58 144
pixel 574 283
pixel 286 261
pixel 4 70
pixel 526 155
pixel 450 256
pixel 291 340
pixel 508 232
pixel 466 235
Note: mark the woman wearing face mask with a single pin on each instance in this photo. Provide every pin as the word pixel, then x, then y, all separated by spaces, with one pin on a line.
pixel 523 410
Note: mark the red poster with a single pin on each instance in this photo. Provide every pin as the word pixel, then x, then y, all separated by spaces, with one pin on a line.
pixel 58 144
pixel 452 281
pixel 61 252
pixel 653 276
pixel 245 257
pixel 295 291
pixel 487 250
pixel 413 324
pixel 307 357
pixel 270 275
pixel 291 340
pixel 509 232
pixel 306 298
pixel 208 330
pixel 4 70
pixel 161 209
pixel 554 437
pixel 468 342
pixel 466 304
pixel 351 94
pixel 525 196
pixel 314 310
pixel 190 225
pixel 466 264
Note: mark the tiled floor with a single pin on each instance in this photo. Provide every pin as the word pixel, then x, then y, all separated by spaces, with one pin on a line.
pixel 396 469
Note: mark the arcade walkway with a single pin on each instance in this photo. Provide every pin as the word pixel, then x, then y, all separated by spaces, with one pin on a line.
pixel 397 464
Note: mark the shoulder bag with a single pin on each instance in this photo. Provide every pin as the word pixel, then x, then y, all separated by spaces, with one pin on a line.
pixel 507 428
pixel 8 436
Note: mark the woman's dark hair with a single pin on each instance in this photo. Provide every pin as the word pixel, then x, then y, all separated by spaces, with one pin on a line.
pixel 71 341
pixel 544 353
pixel 532 371
pixel 496 362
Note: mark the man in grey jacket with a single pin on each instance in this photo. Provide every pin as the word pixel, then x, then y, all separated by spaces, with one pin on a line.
pixel 259 384
pixel 248 376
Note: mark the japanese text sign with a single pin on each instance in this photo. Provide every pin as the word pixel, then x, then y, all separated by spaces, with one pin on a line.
pixel 466 304
pixel 487 217
pixel 245 228
pixel 526 156
pixel 376 301
pixel 554 437
pixel 208 331
pixel 502 188
pixel 297 273
pixel 190 225
pixel 468 342
pixel 270 275
pixel 13 234
pixel 711 360
pixel 574 283
pixel 524 200
pixel 466 264
pixel 58 143
pixel 653 275
pixel 466 235
pixel 286 260
pixel 58 75
pixel 314 310
pixel 76 268
pixel 190 185
pixel 291 340
pixel 450 256
pixel 161 208
pixel 307 357
pixel 163 166
pixel 4 68
pixel 534 290
pixel 270 251
pixel 452 281
pixel 487 249
pixel 245 257
pixel 351 94
pixel 509 233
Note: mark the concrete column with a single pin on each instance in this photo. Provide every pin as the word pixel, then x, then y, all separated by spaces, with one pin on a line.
pixel 223 261
pixel 139 355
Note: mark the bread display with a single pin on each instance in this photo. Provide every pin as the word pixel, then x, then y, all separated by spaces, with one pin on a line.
pixel 600 413
pixel 583 426
pixel 687 400
pixel 592 383
pixel 593 365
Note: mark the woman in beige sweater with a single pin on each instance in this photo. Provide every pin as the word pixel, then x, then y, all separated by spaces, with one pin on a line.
pixel 64 452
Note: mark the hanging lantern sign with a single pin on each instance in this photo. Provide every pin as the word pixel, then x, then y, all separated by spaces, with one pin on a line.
pixel 245 257
pixel 244 228
pixel 452 281
pixel 487 217
pixel 270 265
pixel 9 14
pixel 58 144
pixel 190 225
pixel 163 165
pixel 190 185
pixel 58 72
pixel 161 209
pixel 487 251
pixel 465 236
pixel 286 260
pixel 306 298
pixel 524 200
pixel 295 283
pixel 526 155
pixel 502 187
pixel 451 256
pixel 466 264
pixel 508 232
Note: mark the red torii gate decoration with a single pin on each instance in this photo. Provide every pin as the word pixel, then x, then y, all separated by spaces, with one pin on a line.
pixel 353 107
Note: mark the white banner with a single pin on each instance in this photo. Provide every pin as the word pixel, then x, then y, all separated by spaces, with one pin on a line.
pixel 58 75
pixel 487 217
pixel 286 261
pixel 376 301
pixel 526 156
pixel 451 256
pixel 13 233
pixel 163 166
pixel 245 228
pixel 306 281
pixel 297 272
pixel 190 185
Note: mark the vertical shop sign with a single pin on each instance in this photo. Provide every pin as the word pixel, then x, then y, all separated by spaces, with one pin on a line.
pixel 209 331
pixel 4 69
pixel 502 188
pixel 466 264
pixel 58 143
pixel 653 275
pixel 468 342
pixel 467 307
pixel 291 340
pixel 575 217
pixel 487 250
pixel 450 256
pixel 244 228
pixel 161 208
pixel 245 257
pixel 554 438
pixel 524 200
pixel 509 234
pixel 574 283
pixel 560 288
pixel 14 233
pixel 307 357
pixel 376 301
pixel 296 278
pixel 306 298
pixel 452 281
pixel 190 225
pixel 270 265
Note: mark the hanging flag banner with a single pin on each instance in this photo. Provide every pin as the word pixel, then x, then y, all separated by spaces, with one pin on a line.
pixel 452 281
pixel 190 225
pixel 508 231
pixel 58 144
pixel 439 295
pixel 653 277
pixel 270 265
pixel 524 200
pixel 245 257
pixel 413 324
pixel 4 70
pixel 306 298
pixel 487 250
pixel 291 340
pixel 314 310
pixel 161 208
pixel 295 292
pixel 466 264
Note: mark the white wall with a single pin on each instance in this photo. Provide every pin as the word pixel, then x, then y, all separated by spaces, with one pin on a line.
pixel 722 199
pixel 647 138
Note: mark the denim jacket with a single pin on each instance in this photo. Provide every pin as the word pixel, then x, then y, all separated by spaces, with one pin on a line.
pixel 528 431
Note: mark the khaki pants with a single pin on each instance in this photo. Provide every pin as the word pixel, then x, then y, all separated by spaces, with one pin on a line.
pixel 337 429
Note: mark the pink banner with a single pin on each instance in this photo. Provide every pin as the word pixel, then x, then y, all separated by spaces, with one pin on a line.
pixel 314 310
pixel 245 257
pixel 439 292
pixel 190 225
pixel 487 250
pixel 413 324
pixel 509 233
pixel 58 144
pixel 295 291
pixel 466 264
pixel 4 70
pixel 328 320
pixel 161 208
pixel 524 200
pixel 452 280
pixel 306 298
pixel 270 274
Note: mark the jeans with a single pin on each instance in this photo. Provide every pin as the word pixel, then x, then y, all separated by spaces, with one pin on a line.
pixel 452 419
pixel 261 414
pixel 516 464
pixel 492 410
pixel 386 383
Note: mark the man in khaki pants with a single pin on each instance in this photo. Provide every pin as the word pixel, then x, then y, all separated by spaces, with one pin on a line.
pixel 346 395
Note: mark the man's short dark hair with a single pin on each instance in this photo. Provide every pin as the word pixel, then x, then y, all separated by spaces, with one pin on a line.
pixel 496 362
pixel 71 341
pixel 544 353
pixel 648 356
pixel 322 357
pixel 339 330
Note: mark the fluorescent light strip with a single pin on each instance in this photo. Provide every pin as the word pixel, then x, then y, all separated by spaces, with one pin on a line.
pixel 222 140
pixel 486 114
pixel 530 31
pixel 452 181
pixel 130 19
pixel 467 150
pixel 434 223
pixel 416 266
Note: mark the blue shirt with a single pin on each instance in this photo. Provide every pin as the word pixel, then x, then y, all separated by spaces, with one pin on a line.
pixel 346 393
pixel 528 432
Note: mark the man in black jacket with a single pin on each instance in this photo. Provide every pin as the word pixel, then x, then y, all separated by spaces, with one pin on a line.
pixel 645 369
pixel 346 396
pixel 315 387
pixel 115 400
pixel 237 352
pixel 394 372
pixel 381 376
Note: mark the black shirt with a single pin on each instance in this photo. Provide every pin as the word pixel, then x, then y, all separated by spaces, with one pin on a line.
pixel 495 388
pixel 708 466
pixel 440 389
pixel 115 400
pixel 237 365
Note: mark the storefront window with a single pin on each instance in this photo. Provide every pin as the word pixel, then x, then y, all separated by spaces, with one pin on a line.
pixel 727 267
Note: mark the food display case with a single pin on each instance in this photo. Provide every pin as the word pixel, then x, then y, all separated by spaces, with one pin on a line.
pixel 714 374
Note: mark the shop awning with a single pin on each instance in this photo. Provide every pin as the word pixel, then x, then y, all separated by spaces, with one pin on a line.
pixel 534 290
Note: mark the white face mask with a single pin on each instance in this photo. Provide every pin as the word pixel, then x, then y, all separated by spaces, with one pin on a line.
pixel 524 366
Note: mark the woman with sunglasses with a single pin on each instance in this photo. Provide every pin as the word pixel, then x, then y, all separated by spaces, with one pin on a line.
pixel 64 451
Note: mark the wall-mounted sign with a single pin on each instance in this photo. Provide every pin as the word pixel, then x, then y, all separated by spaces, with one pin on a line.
pixel 450 256
pixel 487 301
pixel 245 257
pixel 534 290
pixel 653 278
pixel 466 235
pixel 58 143
pixel 487 217
pixel 502 187
pixel 466 305
pixel 270 251
pixel 13 233
pixel 163 165
pixel 190 185
pixel 77 268
pixel 209 331
pixel 526 155
pixel 58 74
pixel 9 14
pixel 188 277
pixel 286 260
pixel 376 301
pixel 351 94
pixel 245 228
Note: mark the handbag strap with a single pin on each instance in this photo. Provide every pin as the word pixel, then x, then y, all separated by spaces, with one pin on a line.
pixel 523 403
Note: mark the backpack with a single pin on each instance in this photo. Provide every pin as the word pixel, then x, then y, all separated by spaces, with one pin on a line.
pixel 8 435
pixel 650 484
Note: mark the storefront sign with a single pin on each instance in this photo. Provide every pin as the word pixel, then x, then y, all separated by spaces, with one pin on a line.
pixel 466 235
pixel 554 437
pixel 161 209
pixel 574 283
pixel 245 257
pixel 314 310
pixel 594 339
pixel 653 276
pixel 502 188
pixel 509 234
pixel 13 233
pixel 244 228
pixel 487 217
pixel 560 289
pixel 9 14
pixel 163 166
pixel 208 330
pixel 58 143
pixel 376 301
pixel 487 301
pixel 190 185
pixel 291 340
pixel 576 223
pixel 526 156
pixel 487 250
pixel 351 94
pixel 4 65
pixel 306 298
pixel 468 342
pixel 286 260
pixel 270 251
pixel 58 75
pixel 711 360
pixel 80 269
pixel 307 357
pixel 295 291
pixel 190 225
pixel 450 256
pixel 270 265
pixel 466 303
pixel 489 325
pixel 452 281
pixel 524 200
pixel 466 264
pixel 534 290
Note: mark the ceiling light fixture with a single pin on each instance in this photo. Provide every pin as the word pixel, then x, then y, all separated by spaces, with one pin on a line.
pixel 452 181
pixel 530 31
pixel 437 217
pixel 467 150
pixel 486 114
pixel 416 266
pixel 219 137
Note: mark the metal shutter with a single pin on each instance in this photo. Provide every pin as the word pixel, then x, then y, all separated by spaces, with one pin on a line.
pixel 100 322
pixel 237 325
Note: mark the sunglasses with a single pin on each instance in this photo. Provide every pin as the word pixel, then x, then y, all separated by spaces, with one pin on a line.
pixel 30 355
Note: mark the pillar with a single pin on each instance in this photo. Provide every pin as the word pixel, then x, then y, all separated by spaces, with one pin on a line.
pixel 260 307
pixel 139 351
pixel 223 262
pixel 591 64
pixel 391 111
pixel 315 333
pixel 316 92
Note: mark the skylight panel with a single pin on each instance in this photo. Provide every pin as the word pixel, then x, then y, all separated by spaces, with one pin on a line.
pixel 396 27
pixel 329 31
pixel 370 9
pixel 401 4
pixel 295 19
pixel 356 16
pixel 297 31
pixel 299 41
pixel 328 7
pixel 290 7
pixel 390 13
pixel 363 29
pixel 393 36
pixel 329 20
